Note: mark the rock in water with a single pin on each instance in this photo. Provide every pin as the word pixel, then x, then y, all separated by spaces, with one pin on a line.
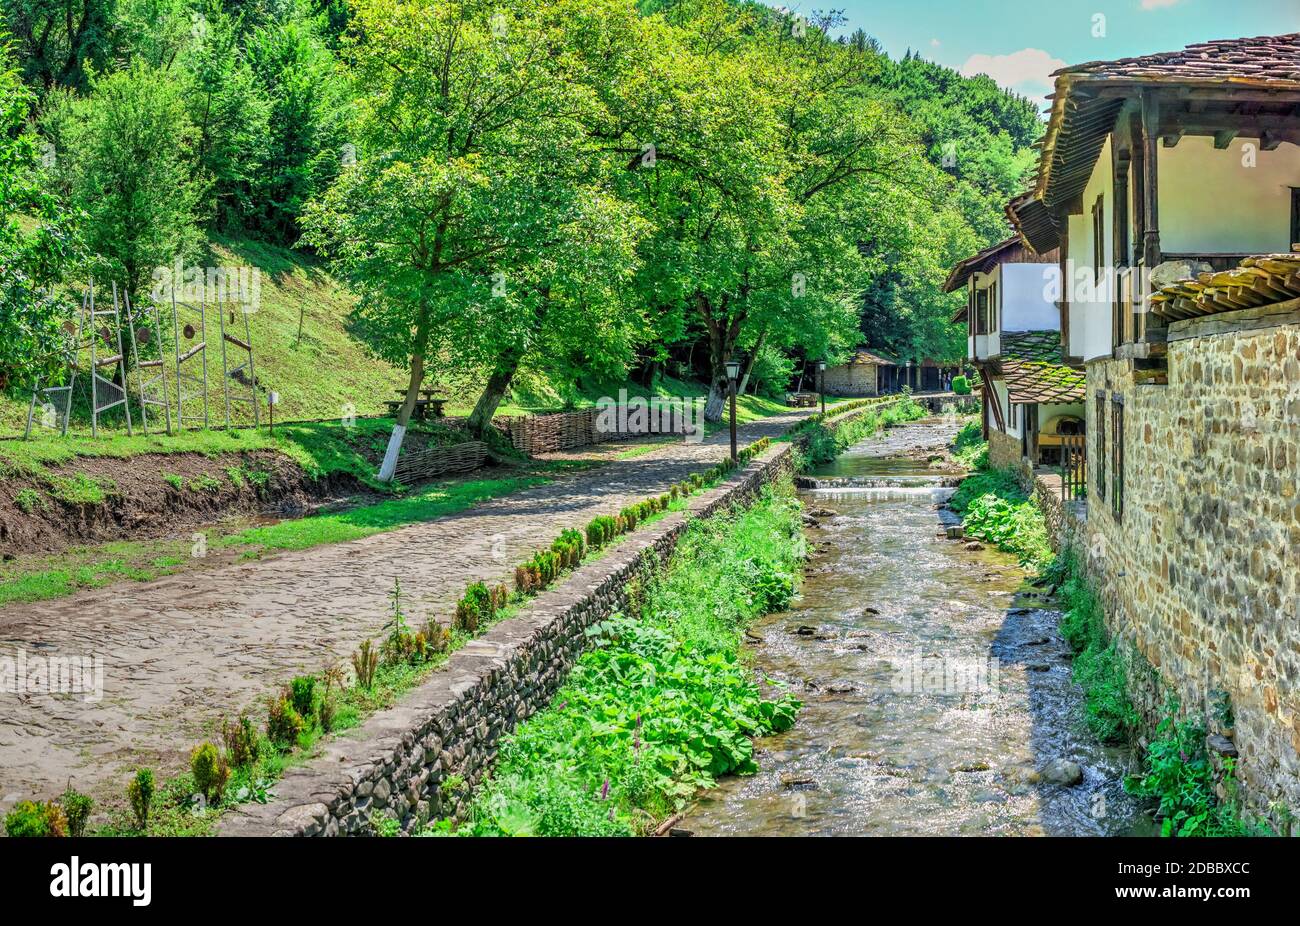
pixel 1063 772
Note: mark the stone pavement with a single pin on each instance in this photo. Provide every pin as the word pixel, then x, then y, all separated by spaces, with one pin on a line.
pixel 181 652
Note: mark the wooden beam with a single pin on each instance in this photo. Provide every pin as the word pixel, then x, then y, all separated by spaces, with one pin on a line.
pixel 1150 183
pixel 1224 137
pixel 1171 139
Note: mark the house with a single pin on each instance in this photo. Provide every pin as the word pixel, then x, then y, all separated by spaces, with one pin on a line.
pixel 1032 401
pixel 865 373
pixel 1169 185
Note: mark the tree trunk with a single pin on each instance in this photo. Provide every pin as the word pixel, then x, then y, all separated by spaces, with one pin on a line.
pixel 749 366
pixel 389 466
pixel 480 420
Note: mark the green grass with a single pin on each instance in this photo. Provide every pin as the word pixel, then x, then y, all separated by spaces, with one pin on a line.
pixel 821 444
pixel 80 489
pixel 662 704
pixel 426 503
pixel 969 448
pixel 996 509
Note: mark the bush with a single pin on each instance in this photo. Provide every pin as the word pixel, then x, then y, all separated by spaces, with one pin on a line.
pixel 241 741
pixel 36 819
pixel 76 808
pixel 283 723
pixel 662 705
pixel 302 694
pixel 961 385
pixel 210 772
pixel 365 662
pixel 140 794
pixel 1179 776
pixel 474 608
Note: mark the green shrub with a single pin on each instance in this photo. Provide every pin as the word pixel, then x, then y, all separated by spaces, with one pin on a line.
pixel 1179 776
pixel 140 794
pixel 28 500
pixel 284 724
pixel 474 608
pixel 659 706
pixel 302 694
pixel 961 385
pixel 241 741
pixel 76 808
pixel 210 772
pixel 969 447
pixel 36 819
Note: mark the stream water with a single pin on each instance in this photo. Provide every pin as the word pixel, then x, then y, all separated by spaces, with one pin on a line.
pixel 935 696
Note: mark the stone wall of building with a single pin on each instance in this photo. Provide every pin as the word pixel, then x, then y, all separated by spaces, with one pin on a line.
pixel 403 762
pixel 1200 572
pixel 852 379
pixel 1004 450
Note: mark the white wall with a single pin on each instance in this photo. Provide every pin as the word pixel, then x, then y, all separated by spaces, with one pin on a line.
pixel 1211 202
pixel 1003 400
pixel 1024 293
pixel 1090 320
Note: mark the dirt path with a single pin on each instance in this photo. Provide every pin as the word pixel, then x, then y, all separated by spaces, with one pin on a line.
pixel 181 652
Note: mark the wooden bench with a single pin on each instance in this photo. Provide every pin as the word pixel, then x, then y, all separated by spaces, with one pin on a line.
pixel 423 405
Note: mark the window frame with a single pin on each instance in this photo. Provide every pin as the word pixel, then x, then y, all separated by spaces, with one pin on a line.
pixel 1100 429
pixel 1117 457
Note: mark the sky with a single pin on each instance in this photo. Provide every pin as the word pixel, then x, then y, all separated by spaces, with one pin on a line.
pixel 1019 42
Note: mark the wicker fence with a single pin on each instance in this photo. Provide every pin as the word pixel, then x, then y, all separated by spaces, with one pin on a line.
pixel 436 461
pixel 533 434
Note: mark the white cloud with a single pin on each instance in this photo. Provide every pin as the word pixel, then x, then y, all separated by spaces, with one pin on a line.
pixel 935 43
pixel 1157 4
pixel 1025 71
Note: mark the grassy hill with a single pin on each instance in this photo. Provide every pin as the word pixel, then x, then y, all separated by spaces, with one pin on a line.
pixel 304 352
pixel 316 376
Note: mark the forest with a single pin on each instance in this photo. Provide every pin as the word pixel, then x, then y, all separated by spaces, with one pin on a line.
pixel 595 190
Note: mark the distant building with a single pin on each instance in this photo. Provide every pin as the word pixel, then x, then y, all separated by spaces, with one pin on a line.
pixel 866 373
pixel 1032 400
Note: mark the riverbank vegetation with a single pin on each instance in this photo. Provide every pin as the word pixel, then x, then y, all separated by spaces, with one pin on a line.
pixel 995 508
pixel 663 703
pixel 821 443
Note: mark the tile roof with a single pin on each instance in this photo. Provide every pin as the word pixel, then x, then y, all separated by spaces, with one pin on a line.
pixel 1259 281
pixel 1262 58
pixel 1087 98
pixel 1033 368
pixel 866 356
pixel 979 262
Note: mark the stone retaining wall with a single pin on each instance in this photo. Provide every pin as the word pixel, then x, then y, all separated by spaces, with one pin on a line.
pixel 1200 572
pixel 421 759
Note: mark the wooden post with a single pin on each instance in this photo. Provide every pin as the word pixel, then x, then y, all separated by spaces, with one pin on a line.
pixel 1150 186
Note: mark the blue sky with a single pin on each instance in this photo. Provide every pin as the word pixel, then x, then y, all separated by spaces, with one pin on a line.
pixel 1019 42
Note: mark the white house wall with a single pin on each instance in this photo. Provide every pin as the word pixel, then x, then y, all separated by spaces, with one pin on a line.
pixel 1027 296
pixel 1090 320
pixel 1213 202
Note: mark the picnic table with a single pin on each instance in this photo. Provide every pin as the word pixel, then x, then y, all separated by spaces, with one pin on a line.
pixel 423 405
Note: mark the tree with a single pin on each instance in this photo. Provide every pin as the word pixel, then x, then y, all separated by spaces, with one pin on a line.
pixel 32 259
pixel 129 155
pixel 56 39
pixel 474 224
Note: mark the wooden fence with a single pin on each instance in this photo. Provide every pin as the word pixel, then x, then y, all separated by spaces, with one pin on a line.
pixel 1074 466
pixel 437 461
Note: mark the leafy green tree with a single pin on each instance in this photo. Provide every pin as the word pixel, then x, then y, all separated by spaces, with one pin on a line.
pixel 307 122
pixel 129 153
pixel 56 39
pixel 474 223
pixel 34 252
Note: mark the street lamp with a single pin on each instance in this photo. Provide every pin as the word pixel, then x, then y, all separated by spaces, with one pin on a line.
pixel 821 383
pixel 733 373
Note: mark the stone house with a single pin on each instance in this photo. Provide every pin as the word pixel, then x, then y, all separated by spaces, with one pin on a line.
pixel 1169 185
pixel 866 373
pixel 1032 403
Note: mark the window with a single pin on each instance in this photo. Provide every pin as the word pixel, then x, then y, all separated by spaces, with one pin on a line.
pixel 1117 457
pixel 1295 215
pixel 1098 238
pixel 1100 456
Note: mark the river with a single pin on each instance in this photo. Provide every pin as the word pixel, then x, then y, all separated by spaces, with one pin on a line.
pixel 936 688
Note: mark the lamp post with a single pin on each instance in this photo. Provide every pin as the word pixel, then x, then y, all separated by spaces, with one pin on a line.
pixel 821 383
pixel 733 373
pixel 909 375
